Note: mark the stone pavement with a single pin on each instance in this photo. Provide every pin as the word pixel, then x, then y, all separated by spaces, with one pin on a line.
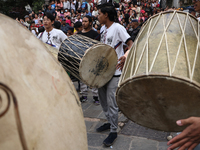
pixel 130 135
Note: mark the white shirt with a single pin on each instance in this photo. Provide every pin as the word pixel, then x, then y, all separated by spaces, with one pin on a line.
pixel 94 13
pixel 55 37
pixel 112 36
pixel 73 5
pixel 66 5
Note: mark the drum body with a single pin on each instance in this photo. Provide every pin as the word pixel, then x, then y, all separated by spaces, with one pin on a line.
pixel 88 60
pixel 50 113
pixel 160 80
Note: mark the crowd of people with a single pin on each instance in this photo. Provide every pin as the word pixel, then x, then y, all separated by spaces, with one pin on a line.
pixel 69 15
pixel 65 18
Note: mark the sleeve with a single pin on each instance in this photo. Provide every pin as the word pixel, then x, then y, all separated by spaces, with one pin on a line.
pixel 62 36
pixel 122 33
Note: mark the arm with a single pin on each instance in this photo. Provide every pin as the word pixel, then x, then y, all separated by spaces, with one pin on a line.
pixel 122 59
pixel 190 137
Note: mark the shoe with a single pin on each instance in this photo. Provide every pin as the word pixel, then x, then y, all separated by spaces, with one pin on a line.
pixel 104 127
pixel 83 99
pixel 110 139
pixel 96 100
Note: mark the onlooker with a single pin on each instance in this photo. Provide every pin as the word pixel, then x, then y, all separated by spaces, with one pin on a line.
pixel 66 4
pixel 51 36
pixel 87 31
pixel 64 26
pixel 136 28
pixel 95 12
pixel 68 20
pixel 78 27
pixel 70 31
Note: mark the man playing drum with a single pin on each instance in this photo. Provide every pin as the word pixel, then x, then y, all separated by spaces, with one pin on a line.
pixel 190 137
pixel 51 36
pixel 87 31
pixel 114 35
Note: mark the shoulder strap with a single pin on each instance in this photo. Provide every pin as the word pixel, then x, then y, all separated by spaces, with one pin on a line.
pixel 41 35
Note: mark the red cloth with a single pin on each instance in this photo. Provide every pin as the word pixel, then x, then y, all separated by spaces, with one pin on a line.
pixel 69 22
pixel 142 11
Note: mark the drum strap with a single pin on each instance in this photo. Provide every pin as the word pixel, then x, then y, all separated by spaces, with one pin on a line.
pixel 116 46
pixel 41 35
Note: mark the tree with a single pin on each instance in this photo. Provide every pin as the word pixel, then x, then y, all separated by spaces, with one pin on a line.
pixel 16 8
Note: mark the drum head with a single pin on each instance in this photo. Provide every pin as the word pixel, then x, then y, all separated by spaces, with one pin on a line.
pixel 158 101
pixel 48 105
pixel 53 50
pixel 98 65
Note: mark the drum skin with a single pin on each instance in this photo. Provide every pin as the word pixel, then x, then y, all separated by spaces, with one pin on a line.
pixel 49 107
pixel 88 60
pixel 160 79
pixel 52 50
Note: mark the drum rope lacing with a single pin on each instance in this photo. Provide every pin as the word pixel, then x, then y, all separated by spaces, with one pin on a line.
pixel 145 48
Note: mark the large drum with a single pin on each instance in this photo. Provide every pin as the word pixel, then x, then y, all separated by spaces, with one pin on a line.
pixel 52 50
pixel 160 82
pixel 46 114
pixel 88 60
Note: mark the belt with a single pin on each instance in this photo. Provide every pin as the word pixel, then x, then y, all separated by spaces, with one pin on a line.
pixel 117 75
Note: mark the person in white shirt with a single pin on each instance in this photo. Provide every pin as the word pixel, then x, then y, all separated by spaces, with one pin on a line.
pixel 73 3
pixel 114 35
pixel 95 12
pixel 66 4
pixel 51 36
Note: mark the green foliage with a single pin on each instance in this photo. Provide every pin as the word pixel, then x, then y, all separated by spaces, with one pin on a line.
pixel 16 8
pixel 37 4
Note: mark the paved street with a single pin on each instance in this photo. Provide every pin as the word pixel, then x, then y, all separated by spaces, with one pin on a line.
pixel 130 135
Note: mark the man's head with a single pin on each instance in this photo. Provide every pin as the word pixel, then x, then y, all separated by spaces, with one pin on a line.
pixel 70 31
pixel 26 18
pixel 78 26
pixel 57 24
pixel 196 5
pixel 106 12
pixel 134 23
pixel 52 2
pixel 87 22
pixel 63 21
pixel 48 20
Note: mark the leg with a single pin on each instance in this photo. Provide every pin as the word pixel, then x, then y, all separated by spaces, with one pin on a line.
pixel 112 104
pixel 84 92
pixel 102 92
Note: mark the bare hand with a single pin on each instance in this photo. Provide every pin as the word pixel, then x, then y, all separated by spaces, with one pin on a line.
pixel 190 137
pixel 121 60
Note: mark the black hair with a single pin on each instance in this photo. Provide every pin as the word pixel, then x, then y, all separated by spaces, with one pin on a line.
pixel 89 18
pixel 41 29
pixel 109 9
pixel 99 27
pixel 72 29
pixel 77 24
pixel 32 22
pixel 68 17
pixel 57 24
pixel 49 16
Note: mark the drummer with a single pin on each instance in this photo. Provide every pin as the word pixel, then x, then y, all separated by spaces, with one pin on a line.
pixel 87 31
pixel 114 35
pixel 51 36
pixel 190 137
